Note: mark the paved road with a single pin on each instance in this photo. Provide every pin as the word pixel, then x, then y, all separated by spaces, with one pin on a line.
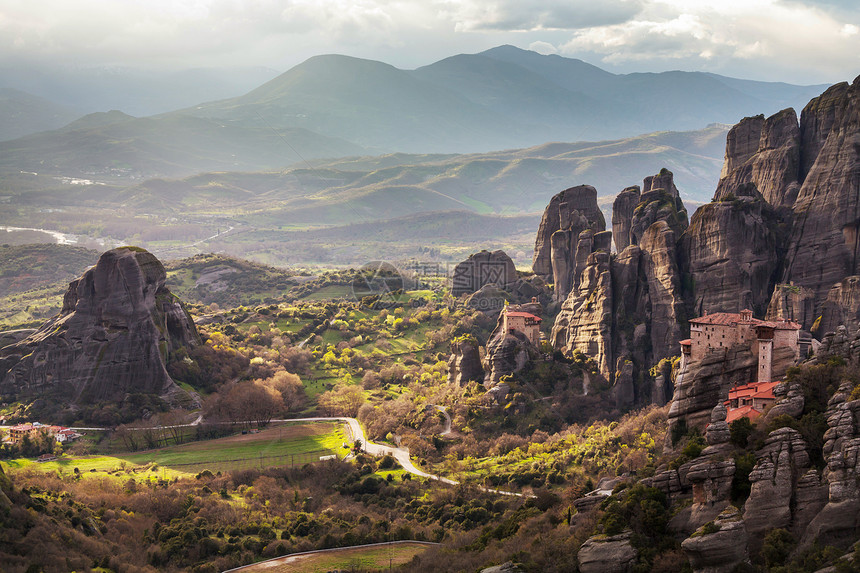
pixel 447 430
pixel 399 454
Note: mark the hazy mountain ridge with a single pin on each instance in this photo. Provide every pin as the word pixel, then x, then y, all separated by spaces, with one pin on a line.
pixel 116 144
pixel 504 97
pixel 22 113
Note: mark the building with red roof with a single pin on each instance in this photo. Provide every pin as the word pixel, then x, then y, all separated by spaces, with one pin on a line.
pixel 749 400
pixel 523 322
pixel 727 329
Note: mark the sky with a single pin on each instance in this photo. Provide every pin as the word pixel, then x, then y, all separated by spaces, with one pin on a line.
pixel 796 41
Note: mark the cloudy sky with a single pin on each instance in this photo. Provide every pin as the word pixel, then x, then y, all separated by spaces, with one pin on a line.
pixel 798 41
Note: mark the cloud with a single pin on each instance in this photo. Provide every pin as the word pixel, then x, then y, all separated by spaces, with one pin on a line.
pixel 792 43
pixel 162 32
pixel 519 16
pixel 790 40
pixel 544 48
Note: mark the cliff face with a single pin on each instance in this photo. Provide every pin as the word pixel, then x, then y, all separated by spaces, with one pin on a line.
pixel 112 337
pixel 567 216
pixel 732 251
pixel 585 320
pixel 627 312
pixel 766 153
pixel 825 239
pixel 464 365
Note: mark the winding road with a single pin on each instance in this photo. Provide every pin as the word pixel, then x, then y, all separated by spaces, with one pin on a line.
pixel 399 454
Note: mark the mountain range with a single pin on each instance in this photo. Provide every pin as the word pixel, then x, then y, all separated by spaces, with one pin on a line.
pixel 502 98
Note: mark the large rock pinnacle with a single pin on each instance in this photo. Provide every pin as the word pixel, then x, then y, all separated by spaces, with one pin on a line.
pixel 112 338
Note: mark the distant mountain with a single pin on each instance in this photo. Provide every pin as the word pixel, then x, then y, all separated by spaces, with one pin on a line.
pixel 335 106
pixel 114 144
pixel 368 189
pixel 22 114
pixel 662 100
pixel 371 103
pixel 137 92
pixel 502 98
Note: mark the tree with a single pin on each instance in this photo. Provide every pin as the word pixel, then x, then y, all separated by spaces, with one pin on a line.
pixel 342 401
pixel 290 388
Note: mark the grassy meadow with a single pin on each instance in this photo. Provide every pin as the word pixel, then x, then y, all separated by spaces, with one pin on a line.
pixel 282 445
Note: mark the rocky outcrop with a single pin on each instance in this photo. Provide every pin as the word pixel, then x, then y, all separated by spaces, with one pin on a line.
pixel 701 385
pixel 793 303
pixel 622 216
pixel 118 325
pixel 789 401
pixel 508 352
pixel 659 201
pixel 841 307
pixel 464 365
pixel 842 343
pixel 667 312
pixel 838 522
pixel 585 320
pixel 483 268
pixel 568 214
pixel 826 233
pixel 711 474
pixel 719 546
pixel 505 355
pixel 774 165
pixel 607 554
pixel 742 142
pixel 627 312
pixel 780 464
pixel 732 252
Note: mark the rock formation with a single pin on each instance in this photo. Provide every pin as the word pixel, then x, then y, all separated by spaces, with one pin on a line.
pixel 825 238
pixel 766 153
pixel 508 352
pixel 732 252
pixel 622 216
pixel 701 385
pixel 839 520
pixel 607 554
pixel 464 365
pixel 780 464
pixel 627 312
pixel 659 201
pixel 483 268
pixel 718 547
pixel 117 327
pixel 557 245
pixel 585 320
pixel 841 307
pixel 793 303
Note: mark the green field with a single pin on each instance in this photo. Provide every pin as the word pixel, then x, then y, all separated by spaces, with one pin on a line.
pixel 284 445
pixel 374 558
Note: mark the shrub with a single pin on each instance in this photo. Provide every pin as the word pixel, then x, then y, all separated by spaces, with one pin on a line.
pixel 740 431
pixel 778 545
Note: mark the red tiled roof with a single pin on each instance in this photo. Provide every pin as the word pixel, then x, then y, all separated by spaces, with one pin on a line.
pixel 686 342
pixel 730 318
pixel 780 325
pixel 743 412
pixel 755 390
pixel 724 318
pixel 523 315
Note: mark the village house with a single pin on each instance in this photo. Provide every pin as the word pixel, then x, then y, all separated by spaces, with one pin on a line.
pixel 728 329
pixel 749 400
pixel 59 433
